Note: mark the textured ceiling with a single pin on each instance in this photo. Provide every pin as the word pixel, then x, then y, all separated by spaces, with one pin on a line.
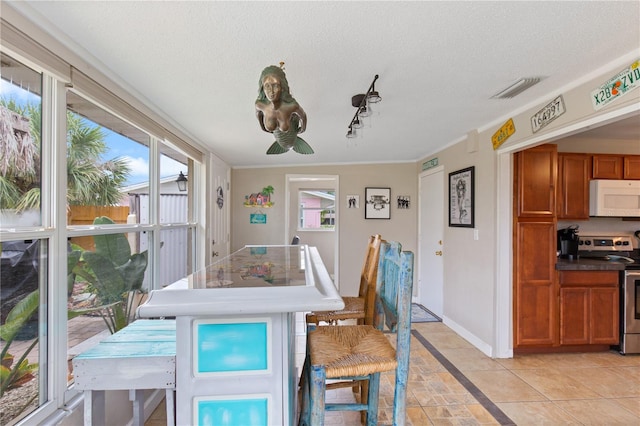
pixel 198 63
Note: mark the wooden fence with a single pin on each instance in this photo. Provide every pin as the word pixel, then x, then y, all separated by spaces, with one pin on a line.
pixel 85 215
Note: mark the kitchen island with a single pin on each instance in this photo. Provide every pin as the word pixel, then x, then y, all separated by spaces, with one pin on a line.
pixel 235 333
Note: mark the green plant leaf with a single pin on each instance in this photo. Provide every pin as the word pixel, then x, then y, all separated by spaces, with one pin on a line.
pixel 19 315
pixel 113 246
pixel 109 281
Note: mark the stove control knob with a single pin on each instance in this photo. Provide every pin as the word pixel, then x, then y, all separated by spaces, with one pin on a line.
pixel 625 243
pixel 618 243
pixel 588 242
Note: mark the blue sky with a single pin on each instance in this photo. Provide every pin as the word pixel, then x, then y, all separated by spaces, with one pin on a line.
pixel 137 155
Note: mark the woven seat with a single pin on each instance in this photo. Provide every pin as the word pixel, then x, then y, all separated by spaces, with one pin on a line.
pixel 359 307
pixel 351 350
pixel 351 354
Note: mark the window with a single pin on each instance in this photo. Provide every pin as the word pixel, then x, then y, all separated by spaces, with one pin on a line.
pixel 24 244
pixel 112 203
pixel 110 182
pixel 317 209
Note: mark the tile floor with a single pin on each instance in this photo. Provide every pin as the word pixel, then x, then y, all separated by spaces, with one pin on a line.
pixel 452 383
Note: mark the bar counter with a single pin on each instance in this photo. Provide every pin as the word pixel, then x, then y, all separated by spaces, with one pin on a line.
pixel 235 333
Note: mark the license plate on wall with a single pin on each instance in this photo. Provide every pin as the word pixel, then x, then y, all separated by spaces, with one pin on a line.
pixel 546 115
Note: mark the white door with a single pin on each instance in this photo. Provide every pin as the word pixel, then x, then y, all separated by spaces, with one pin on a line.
pixel 218 208
pixel 431 224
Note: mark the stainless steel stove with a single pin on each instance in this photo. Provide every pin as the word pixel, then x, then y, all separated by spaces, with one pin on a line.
pixel 620 249
pixel 611 248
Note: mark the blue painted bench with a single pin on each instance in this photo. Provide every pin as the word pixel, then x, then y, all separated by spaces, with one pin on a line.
pixel 140 356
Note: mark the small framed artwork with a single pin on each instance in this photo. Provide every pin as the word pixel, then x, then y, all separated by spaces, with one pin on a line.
pixel 377 203
pixel 258 218
pixel 353 201
pixel 461 198
pixel 403 201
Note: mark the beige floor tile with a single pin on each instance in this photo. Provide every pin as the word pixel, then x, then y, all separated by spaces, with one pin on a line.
pixel 551 383
pixel 448 341
pixel 610 359
pixel 630 372
pixel 472 414
pixel 417 417
pixel 618 382
pixel 537 414
pixel 503 386
pixel 598 412
pixel 470 359
pixel 630 404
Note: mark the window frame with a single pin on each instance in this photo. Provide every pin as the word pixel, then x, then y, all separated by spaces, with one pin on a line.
pixel 53 229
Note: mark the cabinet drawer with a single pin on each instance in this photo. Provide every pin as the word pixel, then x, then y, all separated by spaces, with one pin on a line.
pixel 582 278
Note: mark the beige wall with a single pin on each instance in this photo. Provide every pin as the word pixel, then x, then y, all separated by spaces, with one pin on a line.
pixel 353 228
pixel 469 264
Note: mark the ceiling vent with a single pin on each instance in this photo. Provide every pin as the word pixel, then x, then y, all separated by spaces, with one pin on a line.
pixel 516 88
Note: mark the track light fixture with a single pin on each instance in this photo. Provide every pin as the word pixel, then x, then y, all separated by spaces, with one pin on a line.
pixel 362 103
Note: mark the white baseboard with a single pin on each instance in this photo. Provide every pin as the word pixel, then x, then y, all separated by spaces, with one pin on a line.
pixel 470 337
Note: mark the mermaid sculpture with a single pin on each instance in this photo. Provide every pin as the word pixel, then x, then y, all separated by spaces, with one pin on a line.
pixel 279 113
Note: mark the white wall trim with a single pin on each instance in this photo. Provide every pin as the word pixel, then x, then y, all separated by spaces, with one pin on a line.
pixel 484 347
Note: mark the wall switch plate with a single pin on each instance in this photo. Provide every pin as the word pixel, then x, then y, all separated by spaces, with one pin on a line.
pixel 476 235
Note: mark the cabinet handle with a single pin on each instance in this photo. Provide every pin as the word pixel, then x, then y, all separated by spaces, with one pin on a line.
pixel 439 253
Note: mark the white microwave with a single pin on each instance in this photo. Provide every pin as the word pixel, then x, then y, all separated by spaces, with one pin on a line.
pixel 618 198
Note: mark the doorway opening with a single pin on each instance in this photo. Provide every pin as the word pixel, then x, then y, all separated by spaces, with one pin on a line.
pixel 311 213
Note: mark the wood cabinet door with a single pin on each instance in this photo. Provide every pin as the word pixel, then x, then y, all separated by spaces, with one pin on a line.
pixel 574 316
pixel 535 294
pixel 604 315
pixel 606 166
pixel 536 174
pixel 631 167
pixel 573 186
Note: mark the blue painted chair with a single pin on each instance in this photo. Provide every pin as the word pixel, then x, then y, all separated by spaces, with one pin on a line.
pixel 363 352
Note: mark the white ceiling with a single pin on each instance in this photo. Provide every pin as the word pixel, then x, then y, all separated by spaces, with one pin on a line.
pixel 198 63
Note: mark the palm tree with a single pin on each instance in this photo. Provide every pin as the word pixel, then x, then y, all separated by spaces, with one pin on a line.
pixel 90 180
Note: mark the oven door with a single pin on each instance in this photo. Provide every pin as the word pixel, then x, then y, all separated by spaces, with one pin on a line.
pixel 630 327
pixel 632 302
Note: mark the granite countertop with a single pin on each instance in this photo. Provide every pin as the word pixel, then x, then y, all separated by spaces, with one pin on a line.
pixel 582 264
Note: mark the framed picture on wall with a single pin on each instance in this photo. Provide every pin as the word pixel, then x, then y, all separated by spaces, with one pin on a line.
pixel 377 203
pixel 461 198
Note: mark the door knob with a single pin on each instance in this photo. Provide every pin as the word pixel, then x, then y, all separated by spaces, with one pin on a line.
pixel 214 254
pixel 439 253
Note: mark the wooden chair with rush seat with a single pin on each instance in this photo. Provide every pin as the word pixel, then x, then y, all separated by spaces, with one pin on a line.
pixel 363 352
pixel 354 306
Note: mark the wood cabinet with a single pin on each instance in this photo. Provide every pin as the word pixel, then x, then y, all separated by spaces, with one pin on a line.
pixel 573 186
pixel 611 166
pixel 535 294
pixel 631 167
pixel 535 186
pixel 589 307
